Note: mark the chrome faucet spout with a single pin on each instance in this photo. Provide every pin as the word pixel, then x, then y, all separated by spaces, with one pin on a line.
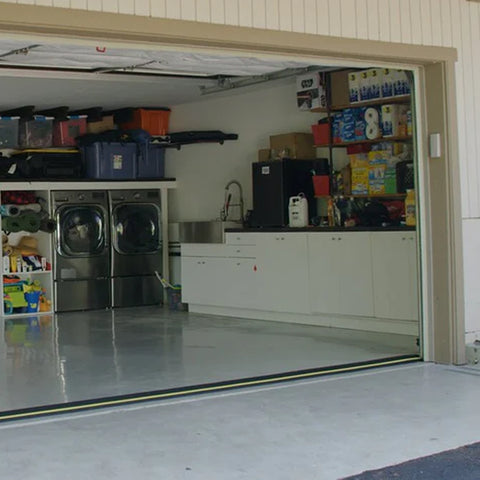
pixel 228 196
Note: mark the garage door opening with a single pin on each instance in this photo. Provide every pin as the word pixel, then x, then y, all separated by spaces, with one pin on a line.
pixel 265 296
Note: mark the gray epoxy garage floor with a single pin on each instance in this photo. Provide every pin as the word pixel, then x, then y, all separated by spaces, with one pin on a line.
pixel 85 355
pixel 322 429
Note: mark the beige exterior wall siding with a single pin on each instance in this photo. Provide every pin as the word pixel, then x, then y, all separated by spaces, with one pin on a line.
pixel 447 23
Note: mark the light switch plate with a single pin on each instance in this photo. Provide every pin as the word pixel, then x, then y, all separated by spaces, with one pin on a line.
pixel 435 145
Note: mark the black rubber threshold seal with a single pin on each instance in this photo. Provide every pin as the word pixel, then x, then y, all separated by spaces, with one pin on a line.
pixel 155 395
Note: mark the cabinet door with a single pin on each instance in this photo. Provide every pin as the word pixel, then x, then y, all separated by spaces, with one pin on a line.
pixel 354 265
pixel 201 280
pixel 340 273
pixel 240 283
pixel 395 280
pixel 324 275
pixel 283 272
pixel 226 282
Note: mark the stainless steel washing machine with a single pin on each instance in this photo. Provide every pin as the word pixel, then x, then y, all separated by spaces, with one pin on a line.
pixel 82 250
pixel 136 247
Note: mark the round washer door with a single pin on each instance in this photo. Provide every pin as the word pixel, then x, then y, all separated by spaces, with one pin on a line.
pixel 81 230
pixel 136 228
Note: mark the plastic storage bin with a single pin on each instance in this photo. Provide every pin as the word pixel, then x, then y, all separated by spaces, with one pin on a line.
pixel 110 161
pixel 153 120
pixel 36 132
pixel 321 134
pixel 150 161
pixel 66 131
pixel 321 185
pixel 9 132
pixel 174 298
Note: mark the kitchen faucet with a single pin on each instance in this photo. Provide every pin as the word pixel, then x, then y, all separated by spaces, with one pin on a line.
pixel 228 197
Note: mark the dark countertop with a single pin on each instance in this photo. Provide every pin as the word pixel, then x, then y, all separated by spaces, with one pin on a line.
pixel 320 229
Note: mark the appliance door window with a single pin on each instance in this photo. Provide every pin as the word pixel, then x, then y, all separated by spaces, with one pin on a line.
pixel 81 231
pixel 136 228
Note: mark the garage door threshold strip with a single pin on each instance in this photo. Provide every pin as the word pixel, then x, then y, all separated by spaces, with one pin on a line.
pixel 132 398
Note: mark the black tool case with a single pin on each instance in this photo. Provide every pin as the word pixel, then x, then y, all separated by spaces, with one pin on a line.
pixel 44 165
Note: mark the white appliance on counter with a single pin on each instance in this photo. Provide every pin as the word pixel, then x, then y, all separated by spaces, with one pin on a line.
pixel 298 211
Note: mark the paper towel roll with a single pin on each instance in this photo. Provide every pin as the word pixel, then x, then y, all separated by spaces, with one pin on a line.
pixel 372 116
pixel 372 131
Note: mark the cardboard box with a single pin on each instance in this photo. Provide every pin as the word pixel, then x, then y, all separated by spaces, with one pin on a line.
pixel 375 82
pixel 103 125
pixel 360 181
pixel 387 82
pixel 264 155
pixel 311 91
pixel 354 87
pixel 339 90
pixel 293 145
pixel 365 90
pixel 347 180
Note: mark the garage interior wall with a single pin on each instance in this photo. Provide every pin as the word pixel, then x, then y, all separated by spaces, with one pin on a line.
pixel 254 114
pixel 448 23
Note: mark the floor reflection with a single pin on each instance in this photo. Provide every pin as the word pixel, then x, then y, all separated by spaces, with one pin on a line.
pixel 86 355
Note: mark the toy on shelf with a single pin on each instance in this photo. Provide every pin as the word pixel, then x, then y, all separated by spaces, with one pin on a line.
pixel 24 296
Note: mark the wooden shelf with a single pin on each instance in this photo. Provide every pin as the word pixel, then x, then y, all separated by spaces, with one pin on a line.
pixel 373 195
pixel 366 142
pixel 368 103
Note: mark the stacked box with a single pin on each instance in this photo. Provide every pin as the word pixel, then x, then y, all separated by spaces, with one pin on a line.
pixel 9 132
pixel 110 161
pixel 387 83
pixel 354 87
pixel 294 145
pixel 359 173
pixel 348 128
pixel 150 161
pixel 390 180
pixel 36 132
pixel 365 92
pixel 375 83
pixel 377 166
pixel 311 91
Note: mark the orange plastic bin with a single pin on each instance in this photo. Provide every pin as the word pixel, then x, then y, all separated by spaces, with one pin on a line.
pixel 153 120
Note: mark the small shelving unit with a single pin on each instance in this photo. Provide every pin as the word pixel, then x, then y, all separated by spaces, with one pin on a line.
pixel 44 277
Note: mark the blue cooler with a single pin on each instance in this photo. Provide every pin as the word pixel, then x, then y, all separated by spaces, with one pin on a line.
pixel 110 161
pixel 150 161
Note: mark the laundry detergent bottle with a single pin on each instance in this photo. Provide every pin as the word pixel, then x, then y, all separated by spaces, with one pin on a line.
pixel 298 211
pixel 410 219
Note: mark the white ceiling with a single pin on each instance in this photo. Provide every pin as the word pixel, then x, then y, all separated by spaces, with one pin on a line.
pixel 81 88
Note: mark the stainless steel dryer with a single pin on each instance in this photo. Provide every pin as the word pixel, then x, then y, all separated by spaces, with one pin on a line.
pixel 136 247
pixel 82 250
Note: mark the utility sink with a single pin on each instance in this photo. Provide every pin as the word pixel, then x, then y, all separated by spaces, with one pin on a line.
pixel 209 231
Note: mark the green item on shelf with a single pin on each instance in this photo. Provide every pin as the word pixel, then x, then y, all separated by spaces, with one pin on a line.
pixel 390 180
pixel 30 222
pixel 11 224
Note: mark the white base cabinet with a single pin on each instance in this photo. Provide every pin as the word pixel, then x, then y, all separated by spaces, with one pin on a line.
pixel 340 273
pixel 347 278
pixel 218 275
pixel 394 261
pixel 283 272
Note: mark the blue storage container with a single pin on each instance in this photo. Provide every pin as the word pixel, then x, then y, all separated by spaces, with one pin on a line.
pixel 150 161
pixel 110 161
